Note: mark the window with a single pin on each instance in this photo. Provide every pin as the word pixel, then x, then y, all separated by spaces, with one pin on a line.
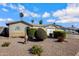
pixel 17 28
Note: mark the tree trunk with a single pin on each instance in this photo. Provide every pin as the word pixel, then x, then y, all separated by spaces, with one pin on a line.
pixel 25 39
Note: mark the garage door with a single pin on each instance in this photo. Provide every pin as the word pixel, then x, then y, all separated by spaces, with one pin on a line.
pixel 50 31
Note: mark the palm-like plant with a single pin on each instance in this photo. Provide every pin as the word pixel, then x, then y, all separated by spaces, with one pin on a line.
pixel 25 38
pixel 40 22
pixel 21 15
pixel 32 21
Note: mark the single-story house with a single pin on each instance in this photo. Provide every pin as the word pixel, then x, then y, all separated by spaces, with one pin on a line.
pixel 71 30
pixel 18 28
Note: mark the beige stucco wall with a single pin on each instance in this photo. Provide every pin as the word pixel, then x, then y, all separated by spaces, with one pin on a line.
pixel 50 29
pixel 21 32
pixel 17 33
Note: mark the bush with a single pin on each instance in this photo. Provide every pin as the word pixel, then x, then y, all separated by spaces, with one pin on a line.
pixel 31 33
pixel 51 35
pixel 60 35
pixel 40 34
pixel 36 50
pixel 5 44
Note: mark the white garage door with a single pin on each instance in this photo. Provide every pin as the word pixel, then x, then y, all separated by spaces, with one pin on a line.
pixel 50 31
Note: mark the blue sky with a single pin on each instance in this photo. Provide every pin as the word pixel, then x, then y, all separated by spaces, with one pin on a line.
pixel 62 13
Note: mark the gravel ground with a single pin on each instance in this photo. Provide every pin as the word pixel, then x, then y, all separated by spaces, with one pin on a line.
pixel 50 47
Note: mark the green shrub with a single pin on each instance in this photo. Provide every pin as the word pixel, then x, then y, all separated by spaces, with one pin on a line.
pixel 31 32
pixel 40 34
pixel 60 35
pixel 5 44
pixel 27 30
pixel 36 50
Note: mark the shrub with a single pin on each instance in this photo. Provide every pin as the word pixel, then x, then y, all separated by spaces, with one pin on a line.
pixel 60 35
pixel 31 32
pixel 51 35
pixel 40 34
pixel 27 30
pixel 36 50
pixel 5 44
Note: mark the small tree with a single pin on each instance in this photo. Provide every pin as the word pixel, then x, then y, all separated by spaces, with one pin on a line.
pixel 32 21
pixel 21 15
pixel 77 30
pixel 60 35
pixel 36 50
pixel 40 22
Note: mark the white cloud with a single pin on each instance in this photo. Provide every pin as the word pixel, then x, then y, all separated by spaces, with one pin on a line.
pixel 9 19
pixel 21 8
pixel 46 14
pixel 26 14
pixel 51 20
pixel 18 7
pixel 6 20
pixel 34 14
pixel 72 5
pixel 3 4
pixel 4 9
pixel 12 6
pixel 68 15
pixel 2 20
pixel 67 20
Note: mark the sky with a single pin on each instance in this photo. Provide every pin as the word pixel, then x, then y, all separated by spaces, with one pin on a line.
pixel 64 14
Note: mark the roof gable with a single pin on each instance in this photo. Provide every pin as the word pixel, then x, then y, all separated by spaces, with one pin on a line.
pixel 19 22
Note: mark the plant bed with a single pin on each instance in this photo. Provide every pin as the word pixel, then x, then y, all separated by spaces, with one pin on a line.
pixel 31 33
pixel 36 50
pixel 60 35
pixel 40 34
pixel 5 44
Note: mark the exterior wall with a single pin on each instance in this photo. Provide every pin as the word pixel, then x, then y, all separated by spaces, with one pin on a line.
pixel 39 27
pixel 21 31
pixel 17 30
pixel 50 29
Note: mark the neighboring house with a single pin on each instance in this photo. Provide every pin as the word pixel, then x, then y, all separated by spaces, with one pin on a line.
pixel 18 28
pixel 71 30
pixel 52 27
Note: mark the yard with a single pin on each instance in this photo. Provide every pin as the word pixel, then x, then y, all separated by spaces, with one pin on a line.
pixel 50 47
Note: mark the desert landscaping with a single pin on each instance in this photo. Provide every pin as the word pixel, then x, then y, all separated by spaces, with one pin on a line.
pixel 50 47
pixel 43 34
